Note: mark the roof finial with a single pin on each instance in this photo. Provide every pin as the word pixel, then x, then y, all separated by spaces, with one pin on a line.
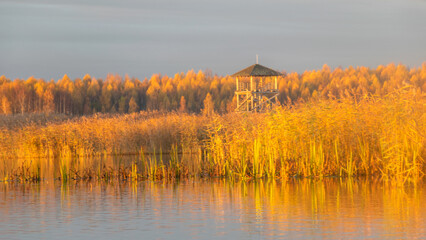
pixel 257 59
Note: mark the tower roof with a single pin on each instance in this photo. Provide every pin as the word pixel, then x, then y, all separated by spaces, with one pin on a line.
pixel 256 70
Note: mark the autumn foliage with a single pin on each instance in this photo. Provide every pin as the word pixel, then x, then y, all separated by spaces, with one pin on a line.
pixel 186 92
pixel 340 123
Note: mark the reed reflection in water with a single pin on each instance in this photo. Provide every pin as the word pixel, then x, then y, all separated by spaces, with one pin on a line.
pixel 206 209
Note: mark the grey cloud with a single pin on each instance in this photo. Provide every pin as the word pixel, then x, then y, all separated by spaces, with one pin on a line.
pixel 145 37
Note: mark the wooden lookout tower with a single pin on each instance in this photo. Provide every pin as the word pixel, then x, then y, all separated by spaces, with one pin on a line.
pixel 257 88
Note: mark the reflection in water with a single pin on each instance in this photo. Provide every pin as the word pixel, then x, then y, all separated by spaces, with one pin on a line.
pixel 332 208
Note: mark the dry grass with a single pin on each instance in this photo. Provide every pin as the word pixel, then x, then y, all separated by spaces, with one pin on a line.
pixel 350 137
pixel 369 136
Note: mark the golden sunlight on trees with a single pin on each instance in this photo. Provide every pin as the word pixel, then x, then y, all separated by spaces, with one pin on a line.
pixel 186 92
pixel 208 108
pixel 133 106
pixel 20 95
pixel 182 105
pixel 48 101
pixel 5 106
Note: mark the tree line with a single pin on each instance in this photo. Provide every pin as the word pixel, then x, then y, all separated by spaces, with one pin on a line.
pixel 194 91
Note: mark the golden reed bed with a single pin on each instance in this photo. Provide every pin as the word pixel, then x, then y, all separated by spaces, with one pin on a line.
pixel 347 137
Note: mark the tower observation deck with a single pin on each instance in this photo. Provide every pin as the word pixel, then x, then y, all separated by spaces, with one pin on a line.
pixel 256 88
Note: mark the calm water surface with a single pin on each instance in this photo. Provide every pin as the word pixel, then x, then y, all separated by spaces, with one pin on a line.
pixel 208 209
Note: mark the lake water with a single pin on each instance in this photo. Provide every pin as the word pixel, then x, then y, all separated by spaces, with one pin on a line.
pixel 209 209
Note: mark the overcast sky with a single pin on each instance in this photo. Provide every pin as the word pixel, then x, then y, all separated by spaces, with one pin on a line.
pixel 48 38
